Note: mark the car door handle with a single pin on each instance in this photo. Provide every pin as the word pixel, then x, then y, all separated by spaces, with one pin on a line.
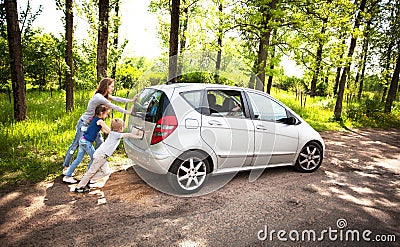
pixel 261 127
pixel 215 122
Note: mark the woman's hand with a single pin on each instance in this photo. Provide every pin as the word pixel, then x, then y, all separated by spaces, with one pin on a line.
pixel 134 98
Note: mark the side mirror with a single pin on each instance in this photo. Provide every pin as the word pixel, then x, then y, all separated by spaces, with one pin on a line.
pixel 291 120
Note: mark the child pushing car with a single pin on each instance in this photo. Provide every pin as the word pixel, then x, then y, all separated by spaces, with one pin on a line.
pixel 99 168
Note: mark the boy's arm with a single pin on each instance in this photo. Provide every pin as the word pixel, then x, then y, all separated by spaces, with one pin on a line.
pixel 127 135
pixel 104 127
pixel 136 133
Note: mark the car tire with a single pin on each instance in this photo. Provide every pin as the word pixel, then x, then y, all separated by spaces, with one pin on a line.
pixel 189 172
pixel 310 157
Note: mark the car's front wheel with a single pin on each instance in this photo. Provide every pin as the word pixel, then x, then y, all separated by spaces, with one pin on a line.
pixel 310 157
pixel 189 172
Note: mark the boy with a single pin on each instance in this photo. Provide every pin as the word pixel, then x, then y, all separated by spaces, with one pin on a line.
pixel 99 167
pixel 86 141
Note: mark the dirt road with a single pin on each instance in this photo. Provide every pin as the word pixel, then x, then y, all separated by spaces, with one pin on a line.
pixel 352 200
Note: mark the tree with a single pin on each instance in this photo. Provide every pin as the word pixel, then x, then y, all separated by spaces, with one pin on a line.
pixel 69 30
pixel 15 50
pixel 364 61
pixel 102 39
pixel 173 42
pixel 115 42
pixel 353 42
pixel 394 84
pixel 265 35
pixel 256 21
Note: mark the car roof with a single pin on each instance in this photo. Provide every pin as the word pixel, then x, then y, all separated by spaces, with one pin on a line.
pixel 194 86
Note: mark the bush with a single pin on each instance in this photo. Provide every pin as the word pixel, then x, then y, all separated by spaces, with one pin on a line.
pixel 205 77
pixel 370 113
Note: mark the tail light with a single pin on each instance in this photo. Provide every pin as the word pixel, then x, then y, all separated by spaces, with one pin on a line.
pixel 164 127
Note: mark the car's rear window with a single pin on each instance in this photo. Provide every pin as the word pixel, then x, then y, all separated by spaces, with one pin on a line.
pixel 152 104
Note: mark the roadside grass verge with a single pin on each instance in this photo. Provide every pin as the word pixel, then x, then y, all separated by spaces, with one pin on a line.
pixel 33 150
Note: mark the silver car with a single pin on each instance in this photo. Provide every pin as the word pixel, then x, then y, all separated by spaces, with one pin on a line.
pixel 191 131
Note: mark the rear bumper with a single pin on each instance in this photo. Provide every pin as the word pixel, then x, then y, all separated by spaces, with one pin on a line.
pixel 156 161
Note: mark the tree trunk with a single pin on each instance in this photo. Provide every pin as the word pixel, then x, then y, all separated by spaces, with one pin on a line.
pixel 270 79
pixel 261 61
pixel 338 72
pixel 15 49
pixel 364 61
pixel 173 43
pixel 342 83
pixel 393 84
pixel 102 39
pixel 264 43
pixel 363 64
pixel 253 77
pixel 219 43
pixel 337 79
pixel 318 62
pixel 115 44
pixel 183 41
pixel 389 49
pixel 272 66
pixel 69 29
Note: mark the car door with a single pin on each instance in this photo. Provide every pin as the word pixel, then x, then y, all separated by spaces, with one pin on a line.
pixel 276 138
pixel 227 129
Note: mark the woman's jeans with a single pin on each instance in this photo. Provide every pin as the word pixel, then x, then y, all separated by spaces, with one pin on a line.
pixel 81 127
pixel 85 146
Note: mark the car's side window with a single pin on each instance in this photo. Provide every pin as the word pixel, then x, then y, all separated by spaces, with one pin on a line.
pixel 193 98
pixel 266 109
pixel 225 103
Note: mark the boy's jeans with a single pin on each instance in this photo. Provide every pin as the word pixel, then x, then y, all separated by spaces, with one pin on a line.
pixel 85 146
pixel 81 127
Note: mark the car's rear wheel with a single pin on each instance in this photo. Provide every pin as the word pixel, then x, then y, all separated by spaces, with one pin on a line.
pixel 189 172
pixel 310 157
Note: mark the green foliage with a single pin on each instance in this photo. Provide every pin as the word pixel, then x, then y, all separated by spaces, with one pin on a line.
pixel 370 112
pixel 291 83
pixel 205 77
pixel 5 76
pixel 43 60
pixel 318 112
pixel 130 70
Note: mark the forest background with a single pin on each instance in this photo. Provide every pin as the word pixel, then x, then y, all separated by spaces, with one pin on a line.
pixel 348 51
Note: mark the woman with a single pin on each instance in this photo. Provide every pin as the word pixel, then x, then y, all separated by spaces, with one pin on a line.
pixel 101 96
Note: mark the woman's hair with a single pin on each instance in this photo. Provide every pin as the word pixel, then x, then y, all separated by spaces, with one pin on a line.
pixel 103 87
pixel 117 124
pixel 100 109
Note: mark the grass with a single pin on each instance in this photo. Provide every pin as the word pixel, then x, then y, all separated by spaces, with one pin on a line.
pixel 33 150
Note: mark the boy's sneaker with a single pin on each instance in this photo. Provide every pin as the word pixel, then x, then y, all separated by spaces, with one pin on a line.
pixel 82 189
pixel 70 180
